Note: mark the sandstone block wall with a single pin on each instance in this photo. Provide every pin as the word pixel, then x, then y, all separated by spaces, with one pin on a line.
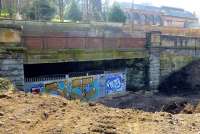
pixel 11 54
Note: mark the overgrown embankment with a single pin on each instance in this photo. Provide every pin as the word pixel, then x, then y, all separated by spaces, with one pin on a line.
pixel 6 85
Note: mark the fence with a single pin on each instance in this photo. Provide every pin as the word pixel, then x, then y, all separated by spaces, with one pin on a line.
pixel 164 29
pixel 180 42
pixel 45 78
pixel 84 87
pixel 174 42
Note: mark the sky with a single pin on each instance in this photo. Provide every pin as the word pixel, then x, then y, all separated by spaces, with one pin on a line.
pixel 190 5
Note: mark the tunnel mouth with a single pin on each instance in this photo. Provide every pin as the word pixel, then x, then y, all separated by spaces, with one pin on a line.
pixel 52 71
pixel 73 69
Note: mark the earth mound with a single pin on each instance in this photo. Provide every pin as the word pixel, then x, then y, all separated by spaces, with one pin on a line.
pixel 43 114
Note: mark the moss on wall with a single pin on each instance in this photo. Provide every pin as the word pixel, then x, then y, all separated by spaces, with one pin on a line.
pixel 174 61
pixel 50 56
pixel 170 62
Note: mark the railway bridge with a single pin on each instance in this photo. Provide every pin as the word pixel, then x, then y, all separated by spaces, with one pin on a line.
pixel 91 63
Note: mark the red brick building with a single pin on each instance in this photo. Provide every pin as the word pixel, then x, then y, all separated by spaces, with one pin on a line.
pixel 162 16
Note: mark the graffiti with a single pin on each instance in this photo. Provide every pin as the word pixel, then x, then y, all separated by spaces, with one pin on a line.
pixel 115 83
pixel 51 86
pixel 84 88
pixel 56 88
pixel 37 88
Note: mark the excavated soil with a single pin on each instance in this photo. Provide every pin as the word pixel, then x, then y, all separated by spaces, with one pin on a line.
pixel 22 113
pixel 148 102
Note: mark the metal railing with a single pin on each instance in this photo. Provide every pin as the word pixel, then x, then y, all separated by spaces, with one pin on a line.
pixel 45 78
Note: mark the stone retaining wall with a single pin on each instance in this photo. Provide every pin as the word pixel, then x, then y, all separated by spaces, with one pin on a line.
pixel 11 54
pixel 169 54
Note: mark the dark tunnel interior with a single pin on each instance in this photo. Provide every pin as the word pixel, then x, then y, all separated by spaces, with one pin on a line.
pixel 94 67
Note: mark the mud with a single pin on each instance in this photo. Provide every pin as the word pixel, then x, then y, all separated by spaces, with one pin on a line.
pixel 42 114
pixel 148 102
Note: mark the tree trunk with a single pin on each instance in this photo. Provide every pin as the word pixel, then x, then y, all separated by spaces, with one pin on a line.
pixel 61 10
pixel 0 6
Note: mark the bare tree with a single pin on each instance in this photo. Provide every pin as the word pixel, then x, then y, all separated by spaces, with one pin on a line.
pixel 61 10
pixel 61 4
pixel 85 10
pixel 0 6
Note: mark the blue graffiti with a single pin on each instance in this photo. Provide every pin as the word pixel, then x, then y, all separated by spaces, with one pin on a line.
pixel 88 88
pixel 61 85
pixel 114 84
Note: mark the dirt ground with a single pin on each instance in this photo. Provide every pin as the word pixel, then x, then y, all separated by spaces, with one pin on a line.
pixel 148 102
pixel 22 113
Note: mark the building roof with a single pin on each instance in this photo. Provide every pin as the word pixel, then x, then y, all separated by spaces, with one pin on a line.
pixel 193 25
pixel 144 7
pixel 169 11
pixel 147 8
pixel 176 12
